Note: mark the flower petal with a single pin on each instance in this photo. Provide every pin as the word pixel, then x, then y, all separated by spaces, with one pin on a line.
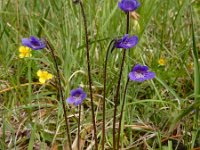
pixel 70 100
pixel 39 73
pixel 133 40
pixel 76 103
pixel 33 43
pixel 49 76
pixel 76 91
pixel 150 75
pixel 126 42
pixel 140 73
pixel 83 95
pixel 26 42
pixel 21 56
pixel 42 80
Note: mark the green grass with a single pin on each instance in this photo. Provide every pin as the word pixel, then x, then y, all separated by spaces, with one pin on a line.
pixel 159 114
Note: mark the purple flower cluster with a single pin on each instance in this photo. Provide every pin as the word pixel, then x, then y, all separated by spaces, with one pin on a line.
pixel 127 42
pixel 139 73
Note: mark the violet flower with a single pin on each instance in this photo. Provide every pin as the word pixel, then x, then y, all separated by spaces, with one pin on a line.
pixel 76 96
pixel 33 43
pixel 140 73
pixel 126 42
pixel 128 5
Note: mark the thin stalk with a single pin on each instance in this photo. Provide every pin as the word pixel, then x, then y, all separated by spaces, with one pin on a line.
pixel 29 90
pixel 196 75
pixel 79 123
pixel 104 93
pixel 127 23
pixel 60 92
pixel 121 114
pixel 89 73
pixel 116 97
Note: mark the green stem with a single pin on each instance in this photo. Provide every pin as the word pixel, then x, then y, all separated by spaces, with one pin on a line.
pixel 29 89
pixel 196 75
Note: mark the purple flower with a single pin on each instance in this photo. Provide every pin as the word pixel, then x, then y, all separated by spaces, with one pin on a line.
pixel 33 43
pixel 76 96
pixel 128 5
pixel 126 42
pixel 140 73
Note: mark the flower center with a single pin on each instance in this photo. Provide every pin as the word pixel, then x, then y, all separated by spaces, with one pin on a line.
pixel 139 74
pixel 44 75
pixel 77 97
pixel 25 52
pixel 125 42
pixel 35 43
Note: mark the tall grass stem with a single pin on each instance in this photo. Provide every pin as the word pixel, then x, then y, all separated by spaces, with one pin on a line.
pixel 196 75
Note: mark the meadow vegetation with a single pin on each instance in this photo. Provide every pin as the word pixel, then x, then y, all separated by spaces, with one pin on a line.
pixel 162 113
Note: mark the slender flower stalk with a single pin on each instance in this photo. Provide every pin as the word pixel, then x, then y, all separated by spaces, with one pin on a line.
pixel 79 126
pixel 76 98
pixel 126 6
pixel 104 91
pixel 121 114
pixel 49 47
pixel 127 23
pixel 138 74
pixel 89 73
pixel 38 44
pixel 116 97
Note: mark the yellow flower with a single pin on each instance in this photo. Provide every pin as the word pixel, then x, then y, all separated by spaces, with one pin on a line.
pixel 43 76
pixel 24 52
pixel 162 61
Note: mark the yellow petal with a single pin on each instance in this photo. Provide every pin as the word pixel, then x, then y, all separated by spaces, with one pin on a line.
pixel 39 73
pixel 49 76
pixel 45 73
pixel 21 55
pixel 30 55
pixel 21 48
pixel 42 80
